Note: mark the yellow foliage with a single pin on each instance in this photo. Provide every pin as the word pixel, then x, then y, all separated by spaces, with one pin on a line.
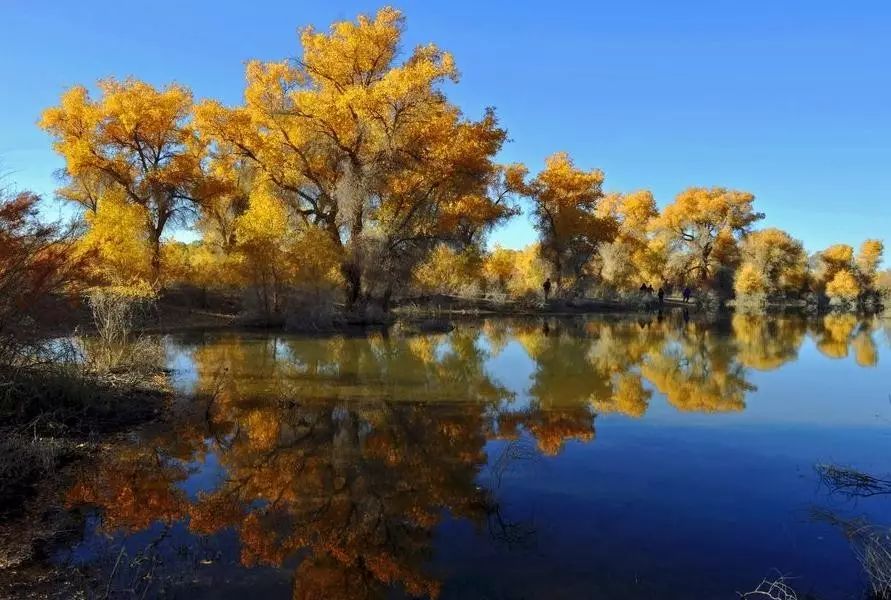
pixel 261 234
pixel 268 251
pixel 517 272
pixel 200 264
pixel 564 200
pixel 350 166
pixel 264 225
pixel 224 198
pixel 448 272
pixel 702 225
pixel 315 258
pixel 845 278
pixel 834 336
pixel 634 256
pixel 835 258
pixel 116 242
pixel 629 398
pixel 529 272
pixel 843 286
pixel 766 344
pixel 773 262
pixel 749 281
pixel 366 147
pixel 137 289
pixel 865 352
pixel 176 259
pixel 134 140
pixel 839 255
pixel 868 260
pixel 211 268
pixel 498 266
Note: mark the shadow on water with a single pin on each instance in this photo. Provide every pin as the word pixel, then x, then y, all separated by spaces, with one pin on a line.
pixel 464 464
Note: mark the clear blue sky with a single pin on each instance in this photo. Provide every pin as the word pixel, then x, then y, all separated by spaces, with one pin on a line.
pixel 788 99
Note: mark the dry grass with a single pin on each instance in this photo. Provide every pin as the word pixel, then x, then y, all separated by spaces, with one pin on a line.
pixel 48 414
pixel 872 547
pixel 311 310
pixel 24 459
pixel 59 395
pixel 51 417
pixel 871 544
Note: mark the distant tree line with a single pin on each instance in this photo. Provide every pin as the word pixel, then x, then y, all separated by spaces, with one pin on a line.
pixel 348 176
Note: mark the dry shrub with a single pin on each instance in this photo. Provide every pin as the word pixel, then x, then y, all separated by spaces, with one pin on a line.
pixel 753 303
pixel 24 461
pixel 311 310
pixel 116 348
pixel 36 265
pixel 874 554
pixel 708 300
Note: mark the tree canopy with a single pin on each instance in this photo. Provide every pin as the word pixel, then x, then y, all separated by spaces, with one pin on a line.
pixel 348 174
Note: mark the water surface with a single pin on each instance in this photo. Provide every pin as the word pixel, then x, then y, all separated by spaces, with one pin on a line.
pixel 536 458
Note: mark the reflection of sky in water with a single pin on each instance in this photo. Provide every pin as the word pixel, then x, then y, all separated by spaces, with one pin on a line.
pixel 205 475
pixel 513 368
pixel 183 377
pixel 670 504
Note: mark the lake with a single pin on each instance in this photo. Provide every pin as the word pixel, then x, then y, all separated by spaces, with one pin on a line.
pixel 590 457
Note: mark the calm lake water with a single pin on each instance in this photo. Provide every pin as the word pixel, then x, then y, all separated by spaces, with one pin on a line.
pixel 538 458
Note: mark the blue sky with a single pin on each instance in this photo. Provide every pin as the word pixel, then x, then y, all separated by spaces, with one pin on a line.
pixel 790 100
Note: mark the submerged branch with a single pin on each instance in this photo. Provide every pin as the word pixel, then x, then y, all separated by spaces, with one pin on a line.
pixel 774 589
pixel 850 482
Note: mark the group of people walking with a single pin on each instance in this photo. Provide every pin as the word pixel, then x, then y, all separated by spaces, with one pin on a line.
pixel 644 287
pixel 660 293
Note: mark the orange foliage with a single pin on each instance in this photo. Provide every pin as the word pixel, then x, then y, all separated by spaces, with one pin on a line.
pixel 36 260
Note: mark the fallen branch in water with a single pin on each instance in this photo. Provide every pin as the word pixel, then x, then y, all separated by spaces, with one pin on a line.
pixel 774 589
pixel 850 482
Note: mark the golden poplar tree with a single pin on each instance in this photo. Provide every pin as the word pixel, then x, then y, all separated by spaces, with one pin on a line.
pixel 368 148
pixel 835 273
pixel 134 140
pixel 635 256
pixel 772 262
pixel 564 211
pixel 702 227
pixel 868 260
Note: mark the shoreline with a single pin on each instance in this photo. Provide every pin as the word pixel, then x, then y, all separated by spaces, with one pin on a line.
pixel 428 312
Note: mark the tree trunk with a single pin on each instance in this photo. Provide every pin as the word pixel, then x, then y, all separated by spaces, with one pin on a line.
pixel 156 257
pixel 353 277
pixel 385 301
pixel 703 271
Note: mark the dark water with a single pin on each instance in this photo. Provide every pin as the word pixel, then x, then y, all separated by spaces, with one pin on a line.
pixel 588 458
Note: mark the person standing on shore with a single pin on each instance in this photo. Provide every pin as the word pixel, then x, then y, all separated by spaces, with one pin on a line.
pixel 546 286
pixel 687 293
pixel 661 294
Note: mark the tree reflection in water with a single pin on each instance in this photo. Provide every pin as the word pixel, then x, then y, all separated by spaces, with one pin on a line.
pixel 348 452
